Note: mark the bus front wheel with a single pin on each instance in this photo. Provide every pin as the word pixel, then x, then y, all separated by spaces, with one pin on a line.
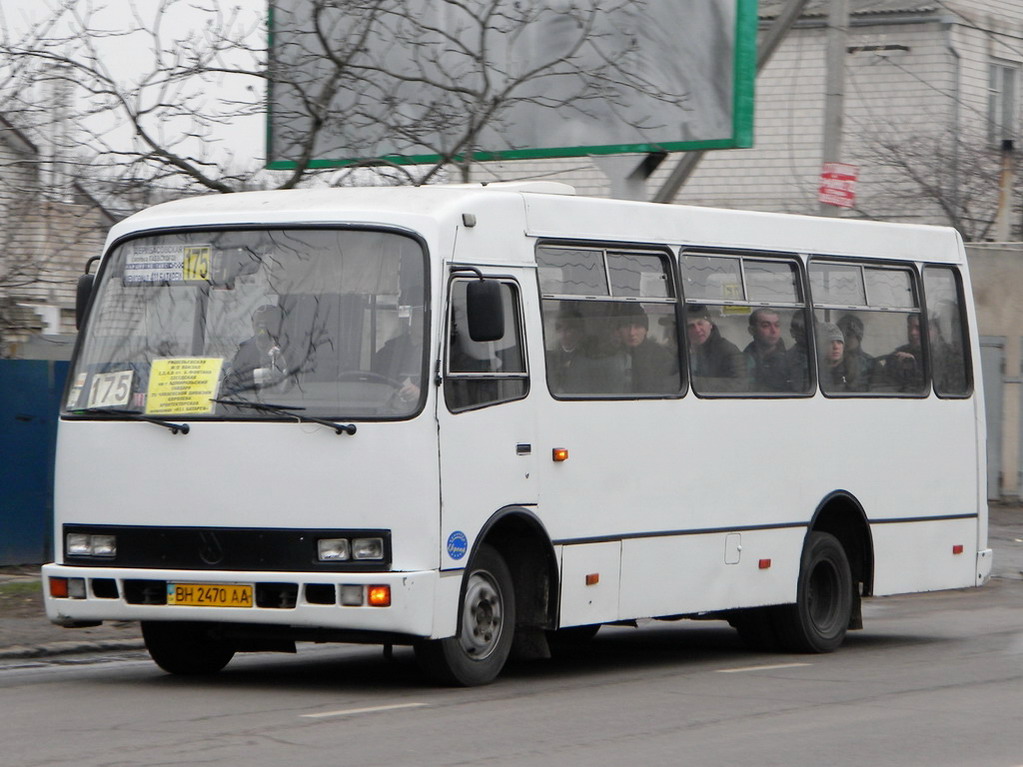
pixel 486 627
pixel 817 622
pixel 185 648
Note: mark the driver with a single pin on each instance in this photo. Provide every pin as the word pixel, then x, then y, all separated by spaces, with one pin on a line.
pixel 260 360
pixel 401 358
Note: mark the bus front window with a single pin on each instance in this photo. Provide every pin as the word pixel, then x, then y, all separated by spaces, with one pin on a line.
pixel 208 324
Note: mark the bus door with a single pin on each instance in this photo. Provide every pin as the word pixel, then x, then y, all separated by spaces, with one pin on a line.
pixel 486 424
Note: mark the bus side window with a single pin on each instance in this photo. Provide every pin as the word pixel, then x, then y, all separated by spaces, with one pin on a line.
pixel 946 326
pixel 481 373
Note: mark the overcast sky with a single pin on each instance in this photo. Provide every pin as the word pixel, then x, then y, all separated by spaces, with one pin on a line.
pixel 246 139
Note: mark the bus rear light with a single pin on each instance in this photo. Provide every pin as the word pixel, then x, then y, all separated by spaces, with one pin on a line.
pixel 58 588
pixel 957 549
pixel 352 595
pixel 764 564
pixel 593 579
pixel 379 596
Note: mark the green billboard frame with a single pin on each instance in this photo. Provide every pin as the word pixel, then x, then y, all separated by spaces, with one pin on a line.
pixel 743 101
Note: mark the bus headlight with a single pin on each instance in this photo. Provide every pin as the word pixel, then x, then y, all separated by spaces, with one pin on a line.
pixel 332 549
pixel 368 548
pixel 85 545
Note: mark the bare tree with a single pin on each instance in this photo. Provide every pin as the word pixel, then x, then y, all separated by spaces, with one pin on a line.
pixel 954 176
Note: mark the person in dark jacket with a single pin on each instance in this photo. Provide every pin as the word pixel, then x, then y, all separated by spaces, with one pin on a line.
pixel 649 367
pixel 852 329
pixel 766 357
pixel 717 363
pixel 260 360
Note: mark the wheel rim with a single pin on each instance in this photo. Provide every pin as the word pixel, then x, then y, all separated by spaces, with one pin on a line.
pixel 482 616
pixel 824 597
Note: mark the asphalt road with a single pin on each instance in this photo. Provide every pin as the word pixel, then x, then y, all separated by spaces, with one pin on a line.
pixel 935 679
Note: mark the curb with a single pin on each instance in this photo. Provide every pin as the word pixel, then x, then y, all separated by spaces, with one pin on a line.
pixel 70 648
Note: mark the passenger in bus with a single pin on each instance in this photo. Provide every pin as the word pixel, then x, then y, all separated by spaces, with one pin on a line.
pixel 947 363
pixel 798 354
pixel 904 367
pixel 838 373
pixel 717 363
pixel 649 367
pixel 260 360
pixel 852 329
pixel 767 360
pixel 400 359
pixel 567 368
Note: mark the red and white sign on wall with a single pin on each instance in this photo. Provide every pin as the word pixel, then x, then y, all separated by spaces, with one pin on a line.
pixel 838 184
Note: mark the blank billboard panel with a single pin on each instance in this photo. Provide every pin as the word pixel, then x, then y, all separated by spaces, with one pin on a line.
pixel 418 81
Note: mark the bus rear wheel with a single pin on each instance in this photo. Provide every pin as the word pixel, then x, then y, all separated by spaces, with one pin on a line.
pixel 185 648
pixel 486 627
pixel 817 622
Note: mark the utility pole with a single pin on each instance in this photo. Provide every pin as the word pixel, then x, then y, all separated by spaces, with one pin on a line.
pixel 834 87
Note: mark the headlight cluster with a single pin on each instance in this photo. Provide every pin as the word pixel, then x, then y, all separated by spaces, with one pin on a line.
pixel 85 545
pixel 346 549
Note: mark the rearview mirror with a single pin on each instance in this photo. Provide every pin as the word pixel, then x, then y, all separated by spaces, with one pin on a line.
pixel 484 310
pixel 84 291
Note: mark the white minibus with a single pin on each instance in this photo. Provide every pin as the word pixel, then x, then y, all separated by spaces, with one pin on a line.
pixel 485 420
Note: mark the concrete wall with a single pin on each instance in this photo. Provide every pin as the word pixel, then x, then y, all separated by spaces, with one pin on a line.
pixel 996 270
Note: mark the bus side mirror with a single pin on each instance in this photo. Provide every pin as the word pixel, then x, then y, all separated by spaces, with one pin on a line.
pixel 83 292
pixel 484 309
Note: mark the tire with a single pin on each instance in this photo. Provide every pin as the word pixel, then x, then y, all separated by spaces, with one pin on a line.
pixel 486 627
pixel 187 649
pixel 817 622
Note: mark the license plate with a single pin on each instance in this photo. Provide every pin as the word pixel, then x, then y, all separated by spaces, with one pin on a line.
pixel 209 595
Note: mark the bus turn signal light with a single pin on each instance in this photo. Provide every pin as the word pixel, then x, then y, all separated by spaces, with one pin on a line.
pixel 559 454
pixel 379 596
pixel 58 588
pixel 593 579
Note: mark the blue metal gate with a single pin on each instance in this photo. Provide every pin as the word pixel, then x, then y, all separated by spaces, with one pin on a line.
pixel 30 392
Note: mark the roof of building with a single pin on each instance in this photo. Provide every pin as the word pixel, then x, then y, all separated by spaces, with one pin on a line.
pixel 819 8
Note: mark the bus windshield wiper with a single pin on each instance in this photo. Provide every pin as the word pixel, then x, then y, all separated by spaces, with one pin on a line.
pixel 184 428
pixel 294 412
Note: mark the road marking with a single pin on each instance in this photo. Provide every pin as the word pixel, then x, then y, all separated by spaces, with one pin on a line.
pixel 772 667
pixel 356 711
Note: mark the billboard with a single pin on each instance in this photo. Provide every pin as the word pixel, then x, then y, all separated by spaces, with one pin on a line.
pixel 426 81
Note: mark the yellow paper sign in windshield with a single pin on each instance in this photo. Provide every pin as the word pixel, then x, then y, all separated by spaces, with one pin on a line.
pixel 195 264
pixel 183 385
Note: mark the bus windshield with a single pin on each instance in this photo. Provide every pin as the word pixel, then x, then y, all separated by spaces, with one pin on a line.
pixel 328 323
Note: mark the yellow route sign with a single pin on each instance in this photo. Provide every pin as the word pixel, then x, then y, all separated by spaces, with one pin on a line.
pixel 195 264
pixel 183 385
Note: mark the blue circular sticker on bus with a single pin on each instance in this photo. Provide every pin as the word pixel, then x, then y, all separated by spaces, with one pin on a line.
pixel 457 545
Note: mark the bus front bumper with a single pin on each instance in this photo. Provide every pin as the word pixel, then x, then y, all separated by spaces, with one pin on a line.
pixel 401 603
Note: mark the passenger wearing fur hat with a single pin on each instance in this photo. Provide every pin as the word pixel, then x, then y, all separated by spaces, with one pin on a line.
pixel 650 368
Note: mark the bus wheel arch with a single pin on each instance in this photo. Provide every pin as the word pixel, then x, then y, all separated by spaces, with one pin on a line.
pixel 523 542
pixel 505 603
pixel 842 515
